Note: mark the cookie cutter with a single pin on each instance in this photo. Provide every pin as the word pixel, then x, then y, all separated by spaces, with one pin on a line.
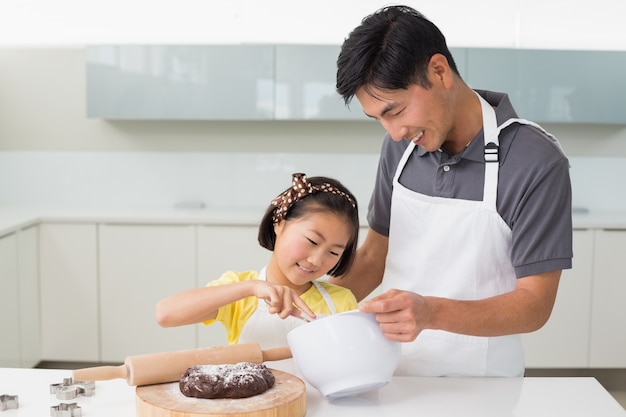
pixel 66 410
pixel 69 389
pixel 8 401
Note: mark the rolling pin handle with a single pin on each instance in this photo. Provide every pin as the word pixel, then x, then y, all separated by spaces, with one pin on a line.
pixel 100 373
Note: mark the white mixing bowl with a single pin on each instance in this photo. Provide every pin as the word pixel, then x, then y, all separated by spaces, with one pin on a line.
pixel 344 354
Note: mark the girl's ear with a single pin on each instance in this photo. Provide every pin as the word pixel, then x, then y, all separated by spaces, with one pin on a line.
pixel 278 227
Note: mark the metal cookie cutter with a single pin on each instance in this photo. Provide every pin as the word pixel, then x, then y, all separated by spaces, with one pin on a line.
pixel 69 389
pixel 8 401
pixel 66 410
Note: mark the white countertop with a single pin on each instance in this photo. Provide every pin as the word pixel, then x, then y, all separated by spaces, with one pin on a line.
pixel 405 396
pixel 18 217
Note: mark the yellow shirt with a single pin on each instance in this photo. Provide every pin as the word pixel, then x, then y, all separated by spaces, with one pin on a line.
pixel 235 315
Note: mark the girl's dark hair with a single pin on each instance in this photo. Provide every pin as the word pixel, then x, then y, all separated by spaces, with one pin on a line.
pixel 390 50
pixel 319 201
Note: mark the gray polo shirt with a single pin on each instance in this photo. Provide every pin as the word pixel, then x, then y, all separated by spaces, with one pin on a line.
pixel 534 190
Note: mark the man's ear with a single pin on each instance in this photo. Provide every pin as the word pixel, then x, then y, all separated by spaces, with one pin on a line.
pixel 440 71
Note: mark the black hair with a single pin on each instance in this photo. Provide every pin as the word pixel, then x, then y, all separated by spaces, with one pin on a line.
pixel 319 201
pixel 389 50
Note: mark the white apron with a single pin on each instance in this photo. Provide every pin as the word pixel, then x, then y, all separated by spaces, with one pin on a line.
pixel 458 249
pixel 270 331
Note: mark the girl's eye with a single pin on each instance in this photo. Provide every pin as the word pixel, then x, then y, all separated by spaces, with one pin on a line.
pixel 312 241
pixel 334 254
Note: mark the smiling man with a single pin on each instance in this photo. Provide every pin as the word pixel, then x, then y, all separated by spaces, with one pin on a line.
pixel 470 217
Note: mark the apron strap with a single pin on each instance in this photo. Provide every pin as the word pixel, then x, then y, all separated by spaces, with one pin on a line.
pixel 491 149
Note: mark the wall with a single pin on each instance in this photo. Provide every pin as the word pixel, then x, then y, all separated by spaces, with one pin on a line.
pixel 42 96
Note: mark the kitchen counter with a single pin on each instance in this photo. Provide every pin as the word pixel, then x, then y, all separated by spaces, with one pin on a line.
pixel 14 218
pixel 405 396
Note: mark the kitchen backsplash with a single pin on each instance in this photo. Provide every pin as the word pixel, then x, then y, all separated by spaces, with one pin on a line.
pixel 228 180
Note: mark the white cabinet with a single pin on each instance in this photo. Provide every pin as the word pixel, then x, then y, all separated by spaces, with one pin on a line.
pixel 226 248
pixel 19 299
pixel 69 292
pixel 139 265
pixel 564 341
pixel 608 312
pixel 9 325
pixel 29 312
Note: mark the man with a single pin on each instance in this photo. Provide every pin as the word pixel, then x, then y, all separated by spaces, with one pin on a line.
pixel 470 217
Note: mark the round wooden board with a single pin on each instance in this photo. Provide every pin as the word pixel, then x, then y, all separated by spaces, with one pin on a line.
pixel 285 399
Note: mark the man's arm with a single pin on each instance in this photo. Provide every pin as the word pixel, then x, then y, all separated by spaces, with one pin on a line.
pixel 367 270
pixel 403 315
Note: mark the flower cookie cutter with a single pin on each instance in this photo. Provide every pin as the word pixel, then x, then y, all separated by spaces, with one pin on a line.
pixel 69 389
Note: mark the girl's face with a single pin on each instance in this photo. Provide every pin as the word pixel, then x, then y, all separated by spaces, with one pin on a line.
pixel 308 247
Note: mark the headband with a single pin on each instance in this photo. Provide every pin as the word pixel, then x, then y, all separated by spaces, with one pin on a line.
pixel 300 188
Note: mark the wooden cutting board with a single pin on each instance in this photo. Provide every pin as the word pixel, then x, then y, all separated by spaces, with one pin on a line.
pixel 287 398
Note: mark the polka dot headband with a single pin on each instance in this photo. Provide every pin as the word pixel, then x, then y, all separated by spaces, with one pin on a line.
pixel 300 188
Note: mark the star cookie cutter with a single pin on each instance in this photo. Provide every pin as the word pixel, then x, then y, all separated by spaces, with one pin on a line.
pixel 69 389
pixel 8 401
pixel 66 410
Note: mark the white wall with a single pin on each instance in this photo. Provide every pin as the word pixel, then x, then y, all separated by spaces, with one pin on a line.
pixel 42 79
pixel 567 24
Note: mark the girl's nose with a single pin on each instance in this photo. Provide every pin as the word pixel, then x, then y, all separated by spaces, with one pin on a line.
pixel 315 258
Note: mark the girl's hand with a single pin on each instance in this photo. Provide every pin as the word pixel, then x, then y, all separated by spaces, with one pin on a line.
pixel 282 300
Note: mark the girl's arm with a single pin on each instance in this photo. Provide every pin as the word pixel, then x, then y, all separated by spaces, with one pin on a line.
pixel 201 304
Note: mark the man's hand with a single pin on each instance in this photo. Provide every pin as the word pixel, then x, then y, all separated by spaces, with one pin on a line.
pixel 402 315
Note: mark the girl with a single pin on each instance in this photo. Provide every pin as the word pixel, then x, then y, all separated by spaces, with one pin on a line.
pixel 312 230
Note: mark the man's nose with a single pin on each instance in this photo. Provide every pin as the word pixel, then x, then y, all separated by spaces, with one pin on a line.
pixel 397 132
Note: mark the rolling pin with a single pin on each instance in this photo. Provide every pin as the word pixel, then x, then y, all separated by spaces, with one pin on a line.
pixel 158 368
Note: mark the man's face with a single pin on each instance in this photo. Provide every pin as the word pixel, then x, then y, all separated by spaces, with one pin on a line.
pixel 416 114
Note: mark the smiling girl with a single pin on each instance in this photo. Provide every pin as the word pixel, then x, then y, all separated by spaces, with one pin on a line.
pixel 312 230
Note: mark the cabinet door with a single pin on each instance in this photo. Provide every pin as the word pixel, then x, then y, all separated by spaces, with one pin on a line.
pixel 69 292
pixel 226 82
pixel 608 313
pixel 9 325
pixel 305 85
pixel 28 272
pixel 139 265
pixel 564 340
pixel 552 85
pixel 220 249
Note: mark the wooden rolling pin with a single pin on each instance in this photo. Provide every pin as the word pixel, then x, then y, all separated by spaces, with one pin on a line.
pixel 158 368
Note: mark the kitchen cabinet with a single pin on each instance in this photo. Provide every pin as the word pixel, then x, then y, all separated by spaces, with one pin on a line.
pixel 221 249
pixel 139 265
pixel 29 310
pixel 305 85
pixel 100 283
pixel 297 82
pixel 219 82
pixel 563 342
pixel 19 299
pixel 608 313
pixel 9 326
pixel 68 268
pixel 553 85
